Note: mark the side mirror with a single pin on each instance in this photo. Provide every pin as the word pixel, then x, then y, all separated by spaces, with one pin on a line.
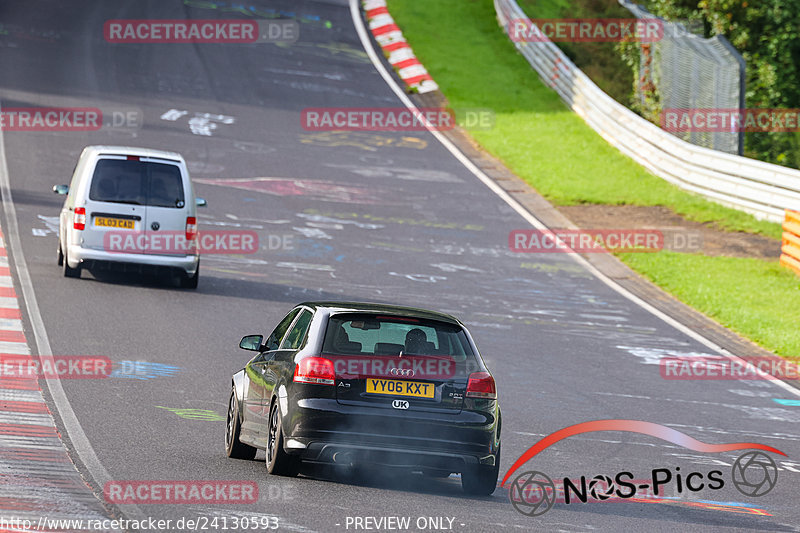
pixel 251 342
pixel 61 189
pixel 200 202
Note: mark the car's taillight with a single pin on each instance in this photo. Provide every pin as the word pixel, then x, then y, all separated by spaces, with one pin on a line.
pixel 79 218
pixel 191 228
pixel 315 370
pixel 481 385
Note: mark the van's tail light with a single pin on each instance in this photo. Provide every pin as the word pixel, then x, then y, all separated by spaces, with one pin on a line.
pixel 481 385
pixel 191 228
pixel 315 370
pixel 79 218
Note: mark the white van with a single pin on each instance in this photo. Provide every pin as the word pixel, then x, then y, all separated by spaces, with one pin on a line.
pixel 129 207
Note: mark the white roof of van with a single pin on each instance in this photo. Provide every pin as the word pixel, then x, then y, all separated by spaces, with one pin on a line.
pixel 132 150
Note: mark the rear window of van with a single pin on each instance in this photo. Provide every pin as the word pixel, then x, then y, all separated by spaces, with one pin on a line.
pixel 137 182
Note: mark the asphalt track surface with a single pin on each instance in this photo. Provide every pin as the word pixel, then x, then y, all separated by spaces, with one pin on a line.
pixel 390 217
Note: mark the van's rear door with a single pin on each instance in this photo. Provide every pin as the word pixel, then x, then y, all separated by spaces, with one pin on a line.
pixel 115 210
pixel 169 203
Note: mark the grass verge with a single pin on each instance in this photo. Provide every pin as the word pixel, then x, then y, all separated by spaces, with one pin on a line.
pixel 555 152
pixel 542 141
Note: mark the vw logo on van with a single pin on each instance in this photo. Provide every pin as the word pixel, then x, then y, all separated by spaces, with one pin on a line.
pixel 155 226
pixel 405 372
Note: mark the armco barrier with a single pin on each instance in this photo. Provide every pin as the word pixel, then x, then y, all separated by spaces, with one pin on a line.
pixel 763 189
pixel 790 249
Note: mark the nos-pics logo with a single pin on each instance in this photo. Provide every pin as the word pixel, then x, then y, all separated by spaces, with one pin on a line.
pixel 533 493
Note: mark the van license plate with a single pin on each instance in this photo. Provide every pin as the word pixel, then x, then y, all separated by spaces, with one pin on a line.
pixel 108 222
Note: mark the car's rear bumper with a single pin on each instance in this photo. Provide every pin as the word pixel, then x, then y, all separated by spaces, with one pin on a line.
pixel 88 256
pixel 322 430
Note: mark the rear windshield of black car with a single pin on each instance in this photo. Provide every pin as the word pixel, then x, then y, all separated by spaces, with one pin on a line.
pixel 137 182
pixel 355 334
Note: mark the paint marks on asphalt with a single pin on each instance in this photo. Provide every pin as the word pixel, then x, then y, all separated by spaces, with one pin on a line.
pixel 370 142
pixel 199 123
pixel 326 191
pixel 408 174
pixel 50 226
pixel 143 370
pixel 205 415
pixel 790 403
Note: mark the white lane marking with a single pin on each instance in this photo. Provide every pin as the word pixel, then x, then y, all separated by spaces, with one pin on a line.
pixel 516 206
pixel 80 441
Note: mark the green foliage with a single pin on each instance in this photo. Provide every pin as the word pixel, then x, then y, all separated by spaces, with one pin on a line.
pixel 767 34
pixel 598 60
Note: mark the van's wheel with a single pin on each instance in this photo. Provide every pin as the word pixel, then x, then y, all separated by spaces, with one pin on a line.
pixel 60 253
pixel 70 272
pixel 278 461
pixel 190 282
pixel 481 480
pixel 233 447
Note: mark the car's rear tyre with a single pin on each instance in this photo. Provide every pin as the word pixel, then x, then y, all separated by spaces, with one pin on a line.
pixel 234 448
pixel 278 461
pixel 70 272
pixel 481 480
pixel 190 282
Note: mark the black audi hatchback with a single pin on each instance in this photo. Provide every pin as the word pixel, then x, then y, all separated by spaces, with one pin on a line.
pixel 367 384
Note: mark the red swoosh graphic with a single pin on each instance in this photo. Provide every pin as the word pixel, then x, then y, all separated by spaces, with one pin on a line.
pixel 634 426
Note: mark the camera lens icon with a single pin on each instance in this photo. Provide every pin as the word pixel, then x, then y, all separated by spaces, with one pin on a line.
pixel 532 493
pixel 754 474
